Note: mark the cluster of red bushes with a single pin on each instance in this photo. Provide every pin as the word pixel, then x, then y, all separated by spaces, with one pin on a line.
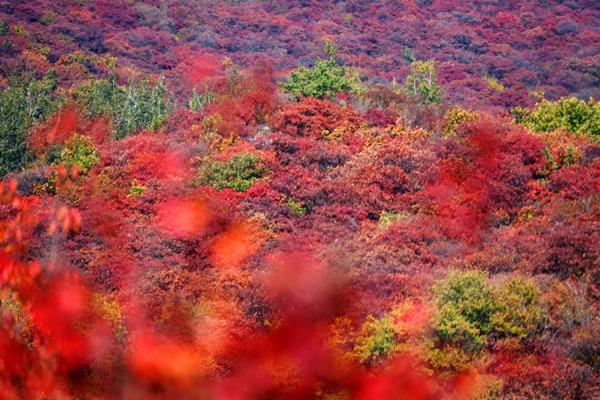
pixel 144 276
pixel 522 45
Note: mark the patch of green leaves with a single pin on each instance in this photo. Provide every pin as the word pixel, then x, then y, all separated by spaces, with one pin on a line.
pixel 422 82
pixel 519 308
pixel 199 101
pixel 574 115
pixel 136 190
pixel 80 152
pixel 377 339
pixel 465 306
pixel 325 79
pixel 296 207
pixel 237 173
pixel 469 308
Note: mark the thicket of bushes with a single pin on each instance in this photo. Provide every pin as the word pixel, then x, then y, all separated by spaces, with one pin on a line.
pixel 576 116
pixel 470 309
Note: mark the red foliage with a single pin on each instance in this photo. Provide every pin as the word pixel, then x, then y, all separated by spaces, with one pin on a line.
pixel 184 217
pixel 385 177
pixel 198 69
pixel 310 117
pixel 492 177
pixel 576 181
pixel 132 282
pixel 59 128
pixel 375 117
pixel 544 373
pixel 234 245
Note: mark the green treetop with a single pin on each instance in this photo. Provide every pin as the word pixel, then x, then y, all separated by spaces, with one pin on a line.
pixel 325 79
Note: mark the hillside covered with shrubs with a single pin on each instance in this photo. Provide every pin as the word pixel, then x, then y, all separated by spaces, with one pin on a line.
pixel 313 199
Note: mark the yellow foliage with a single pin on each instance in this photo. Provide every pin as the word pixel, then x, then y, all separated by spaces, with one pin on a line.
pixel 337 134
pixel 401 130
pixel 526 213
pixel 494 84
pixel 10 306
pixel 110 310
pixel 450 358
pixel 454 118
pixel 227 142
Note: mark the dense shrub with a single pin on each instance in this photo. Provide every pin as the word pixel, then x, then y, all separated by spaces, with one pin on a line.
pixel 23 103
pixel 572 249
pixel 80 151
pixel 377 339
pixel 199 101
pixel 445 358
pixel 312 117
pixel 385 176
pixel 587 351
pixel 572 114
pixel 494 175
pixel 465 305
pixel 237 173
pixel 325 79
pixel 375 211
pixel 100 97
pixel 454 117
pixel 144 107
pixel 519 309
pixel 470 308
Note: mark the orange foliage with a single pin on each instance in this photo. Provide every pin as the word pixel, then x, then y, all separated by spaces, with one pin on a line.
pixel 157 359
pixel 310 117
pixel 184 218
pixel 235 244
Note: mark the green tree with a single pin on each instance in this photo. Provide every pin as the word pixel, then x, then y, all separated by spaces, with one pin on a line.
pixel 25 102
pixel 576 116
pixel 519 308
pixel 100 97
pixel 144 107
pixel 199 101
pixel 465 304
pixel 325 79
pixel 137 106
pixel 377 339
pixel 469 308
pixel 422 82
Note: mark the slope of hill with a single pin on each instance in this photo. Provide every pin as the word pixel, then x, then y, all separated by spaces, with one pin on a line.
pixel 336 200
pixel 525 45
